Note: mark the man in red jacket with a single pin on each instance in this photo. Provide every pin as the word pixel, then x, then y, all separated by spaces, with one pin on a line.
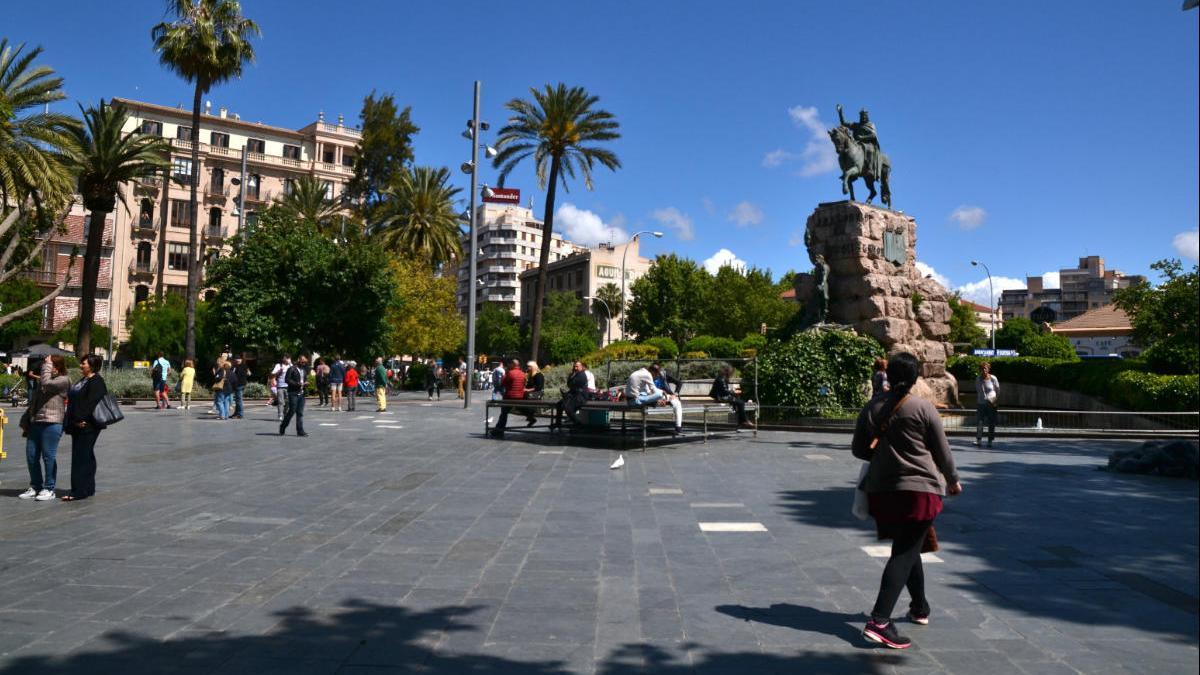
pixel 513 386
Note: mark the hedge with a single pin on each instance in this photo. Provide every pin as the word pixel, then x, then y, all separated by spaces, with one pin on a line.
pixel 1123 383
pixel 839 363
pixel 667 349
pixel 717 347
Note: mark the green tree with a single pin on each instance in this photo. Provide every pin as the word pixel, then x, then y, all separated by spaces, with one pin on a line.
pixel 1028 339
pixel 104 158
pixel 1165 317
pixel 610 293
pixel 963 328
pixel 30 137
pixel 207 44
pixel 559 128
pixel 740 301
pixel 160 325
pixel 1014 333
pixel 418 219
pixel 69 332
pixel 18 292
pixel 670 300
pixel 569 332
pixel 497 331
pixel 424 318
pixel 309 202
pixel 384 150
pixel 284 287
pixel 818 370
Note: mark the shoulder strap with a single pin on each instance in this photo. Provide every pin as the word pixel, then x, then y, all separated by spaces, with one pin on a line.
pixel 882 429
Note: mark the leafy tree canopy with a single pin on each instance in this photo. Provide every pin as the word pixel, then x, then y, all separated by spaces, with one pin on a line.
pixel 740 301
pixel 497 331
pixel 569 332
pixel 424 319
pixel 826 370
pixel 70 331
pixel 1165 317
pixel 286 288
pixel 963 328
pixel 15 293
pixel 383 151
pixel 670 300
pixel 1029 339
pixel 159 325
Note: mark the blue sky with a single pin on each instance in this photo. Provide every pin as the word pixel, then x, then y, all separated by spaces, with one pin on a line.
pixel 1023 133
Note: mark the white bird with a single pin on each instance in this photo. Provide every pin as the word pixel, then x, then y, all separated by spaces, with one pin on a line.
pixel 619 463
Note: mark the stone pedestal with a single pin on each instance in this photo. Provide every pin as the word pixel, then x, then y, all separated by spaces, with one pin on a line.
pixel 875 287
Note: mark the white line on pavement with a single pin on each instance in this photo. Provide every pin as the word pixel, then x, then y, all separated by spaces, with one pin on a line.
pixel 732 527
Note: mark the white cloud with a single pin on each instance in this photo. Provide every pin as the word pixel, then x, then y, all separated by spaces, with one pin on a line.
pixel 745 214
pixel 1050 280
pixel 1187 244
pixel 585 227
pixel 796 239
pixel 617 221
pixel 672 218
pixel 977 291
pixel 818 156
pixel 723 258
pixel 928 271
pixel 709 207
pixel 778 157
pixel 969 217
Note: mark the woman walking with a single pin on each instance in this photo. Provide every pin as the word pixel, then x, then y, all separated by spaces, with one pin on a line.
pixel 45 427
pixel 987 391
pixel 911 468
pixel 187 379
pixel 83 429
pixel 223 387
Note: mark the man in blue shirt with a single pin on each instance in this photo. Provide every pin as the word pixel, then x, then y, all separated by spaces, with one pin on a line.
pixel 158 380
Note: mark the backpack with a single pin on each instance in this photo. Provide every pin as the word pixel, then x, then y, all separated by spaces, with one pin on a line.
pixel 156 371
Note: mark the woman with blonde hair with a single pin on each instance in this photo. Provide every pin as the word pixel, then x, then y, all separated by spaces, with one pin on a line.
pixel 535 385
pixel 187 379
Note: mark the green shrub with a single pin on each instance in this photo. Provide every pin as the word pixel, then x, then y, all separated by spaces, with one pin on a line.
pixel 415 379
pixel 620 350
pixel 1048 345
pixel 556 380
pixel 256 390
pixel 793 372
pixel 754 341
pixel 566 347
pixel 667 349
pixel 1147 391
pixel 717 347
pixel 694 355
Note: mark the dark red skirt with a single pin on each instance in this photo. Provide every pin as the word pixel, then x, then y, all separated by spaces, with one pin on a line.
pixel 903 506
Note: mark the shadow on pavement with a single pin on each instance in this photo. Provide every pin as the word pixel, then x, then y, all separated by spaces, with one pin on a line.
pixel 787 615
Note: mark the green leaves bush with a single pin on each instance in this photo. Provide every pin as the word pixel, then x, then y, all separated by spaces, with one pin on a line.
pixel 793 372
pixel 716 347
pixel 667 349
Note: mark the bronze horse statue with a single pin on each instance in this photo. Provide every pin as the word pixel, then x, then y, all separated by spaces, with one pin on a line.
pixel 852 160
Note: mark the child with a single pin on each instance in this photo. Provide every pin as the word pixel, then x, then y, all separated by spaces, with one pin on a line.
pixel 186 379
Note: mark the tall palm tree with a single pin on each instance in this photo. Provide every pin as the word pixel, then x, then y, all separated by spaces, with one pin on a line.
pixel 610 293
pixel 207 44
pixel 30 136
pixel 104 157
pixel 558 129
pixel 309 202
pixel 420 219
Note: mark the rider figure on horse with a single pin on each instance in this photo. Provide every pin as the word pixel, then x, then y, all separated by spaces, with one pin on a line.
pixel 864 132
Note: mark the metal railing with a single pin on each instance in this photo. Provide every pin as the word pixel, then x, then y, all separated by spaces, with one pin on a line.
pixel 140 267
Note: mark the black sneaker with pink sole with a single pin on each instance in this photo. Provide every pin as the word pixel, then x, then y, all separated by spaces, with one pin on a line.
pixel 886 635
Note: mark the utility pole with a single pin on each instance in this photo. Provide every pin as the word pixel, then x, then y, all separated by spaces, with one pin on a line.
pixel 474 250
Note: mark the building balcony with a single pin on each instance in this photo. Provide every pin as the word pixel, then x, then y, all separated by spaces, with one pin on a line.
pixel 215 233
pixel 216 193
pixel 41 277
pixel 143 228
pixel 148 186
pixel 142 269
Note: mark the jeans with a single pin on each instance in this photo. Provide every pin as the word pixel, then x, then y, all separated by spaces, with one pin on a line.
pixel 222 405
pixel 903 569
pixel 647 399
pixel 41 450
pixel 83 463
pixel 237 400
pixel 295 407
pixel 351 395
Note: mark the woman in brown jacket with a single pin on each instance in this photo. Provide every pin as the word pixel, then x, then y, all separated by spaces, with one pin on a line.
pixel 911 468
pixel 45 427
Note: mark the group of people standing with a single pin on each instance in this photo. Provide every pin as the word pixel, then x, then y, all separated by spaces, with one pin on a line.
pixel 345 381
pixel 59 406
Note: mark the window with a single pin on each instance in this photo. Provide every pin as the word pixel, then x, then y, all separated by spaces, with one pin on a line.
pixel 179 291
pixel 256 145
pixel 183 133
pixel 347 160
pixel 177 256
pixel 328 158
pixel 141 293
pixel 219 139
pixel 146 214
pixel 152 128
pixel 214 220
pixel 327 189
pixel 291 151
pixel 181 213
pixel 289 186
pixel 251 219
pixel 216 183
pixel 144 251
pixel 252 182
pixel 181 170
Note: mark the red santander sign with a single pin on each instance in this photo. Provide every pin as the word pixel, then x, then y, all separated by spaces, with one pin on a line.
pixel 504 196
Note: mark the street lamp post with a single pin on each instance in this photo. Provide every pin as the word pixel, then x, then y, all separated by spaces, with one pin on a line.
pixel 657 235
pixel 991 302
pixel 474 126
pixel 607 310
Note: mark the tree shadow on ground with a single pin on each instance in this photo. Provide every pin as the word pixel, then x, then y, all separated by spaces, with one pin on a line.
pixel 634 659
pixel 1065 542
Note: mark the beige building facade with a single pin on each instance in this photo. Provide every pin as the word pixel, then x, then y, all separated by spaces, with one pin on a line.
pixel 275 158
pixel 1081 289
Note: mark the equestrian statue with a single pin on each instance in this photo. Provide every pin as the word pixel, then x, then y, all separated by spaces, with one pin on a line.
pixel 857 146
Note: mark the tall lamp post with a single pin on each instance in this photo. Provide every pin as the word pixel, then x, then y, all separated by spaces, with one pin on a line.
pixel 474 126
pixel 657 235
pixel 991 302
pixel 607 310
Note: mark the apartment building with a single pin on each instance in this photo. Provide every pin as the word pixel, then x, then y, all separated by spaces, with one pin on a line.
pixel 1081 289
pixel 158 205
pixel 510 242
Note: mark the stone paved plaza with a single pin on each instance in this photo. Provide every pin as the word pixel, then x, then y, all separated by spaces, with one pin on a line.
pixel 406 542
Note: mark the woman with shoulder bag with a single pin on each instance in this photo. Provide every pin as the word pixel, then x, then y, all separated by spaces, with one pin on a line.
pixel 82 427
pixel 44 428
pixel 911 468
pixel 987 391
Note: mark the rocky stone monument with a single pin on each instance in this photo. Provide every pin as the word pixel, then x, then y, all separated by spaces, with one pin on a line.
pixel 865 276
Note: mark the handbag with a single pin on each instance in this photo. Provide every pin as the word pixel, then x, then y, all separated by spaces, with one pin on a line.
pixel 107 411
pixel 861 507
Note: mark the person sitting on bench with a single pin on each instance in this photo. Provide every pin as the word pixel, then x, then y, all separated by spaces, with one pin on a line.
pixel 576 395
pixel 641 391
pixel 723 392
pixel 665 381
pixel 513 386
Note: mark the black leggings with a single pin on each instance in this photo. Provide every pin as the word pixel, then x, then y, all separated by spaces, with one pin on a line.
pixel 83 463
pixel 903 570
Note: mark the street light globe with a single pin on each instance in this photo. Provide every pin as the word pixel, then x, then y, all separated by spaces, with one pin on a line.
pixel 657 235
pixel 489 193
pixel 467 168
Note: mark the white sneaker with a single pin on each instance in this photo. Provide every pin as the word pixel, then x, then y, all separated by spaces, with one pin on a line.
pixel 28 494
pixel 44 496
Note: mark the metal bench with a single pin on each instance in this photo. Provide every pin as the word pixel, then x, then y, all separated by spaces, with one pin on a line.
pixel 642 414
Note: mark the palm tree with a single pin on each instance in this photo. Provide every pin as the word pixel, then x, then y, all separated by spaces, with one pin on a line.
pixel 610 293
pixel 104 157
pixel 420 220
pixel 30 167
pixel 208 44
pixel 309 202
pixel 558 129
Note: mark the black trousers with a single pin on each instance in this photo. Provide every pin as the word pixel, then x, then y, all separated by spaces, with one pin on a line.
pixel 903 570
pixel 569 404
pixel 739 408
pixel 295 407
pixel 83 463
